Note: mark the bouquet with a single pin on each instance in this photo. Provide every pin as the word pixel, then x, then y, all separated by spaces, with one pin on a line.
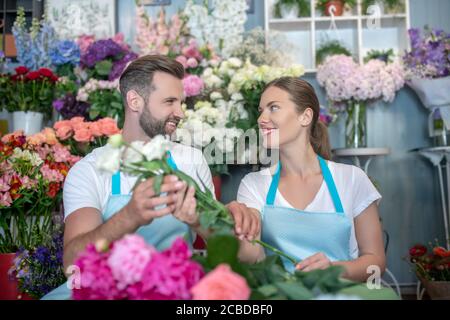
pixel 81 137
pixel 104 99
pixel 431 263
pixel 40 270
pixel 32 172
pixel 31 90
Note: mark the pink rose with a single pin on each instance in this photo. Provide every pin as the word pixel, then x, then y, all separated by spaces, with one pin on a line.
pixel 108 126
pixel 96 129
pixel 64 132
pixel 62 123
pixel 221 284
pixel 50 136
pixel 75 120
pixel 83 135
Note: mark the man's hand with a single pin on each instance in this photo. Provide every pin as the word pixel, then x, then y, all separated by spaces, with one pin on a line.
pixel 141 208
pixel 247 221
pixel 186 205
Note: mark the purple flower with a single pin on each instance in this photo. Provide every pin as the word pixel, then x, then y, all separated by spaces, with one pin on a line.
pixel 58 104
pixel 120 65
pixel 101 50
pixel 69 107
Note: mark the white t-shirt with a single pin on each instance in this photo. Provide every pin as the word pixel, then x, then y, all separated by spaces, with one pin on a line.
pixel 353 185
pixel 86 186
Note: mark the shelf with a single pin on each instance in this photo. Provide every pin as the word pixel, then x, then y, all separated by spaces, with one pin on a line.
pixel 328 19
pixel 297 20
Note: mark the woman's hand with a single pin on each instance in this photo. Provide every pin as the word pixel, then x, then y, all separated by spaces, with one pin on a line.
pixel 247 222
pixel 314 262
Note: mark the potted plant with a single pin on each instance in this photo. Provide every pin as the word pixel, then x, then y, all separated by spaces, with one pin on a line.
pixel 384 55
pixel 335 7
pixel 432 267
pixel 330 48
pixel 29 98
pixel 291 9
pixel 32 172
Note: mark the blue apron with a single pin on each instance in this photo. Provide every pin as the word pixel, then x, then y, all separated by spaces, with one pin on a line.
pixel 301 234
pixel 160 233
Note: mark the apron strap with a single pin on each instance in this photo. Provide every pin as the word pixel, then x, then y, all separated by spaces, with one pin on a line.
pixel 170 161
pixel 270 199
pixel 115 183
pixel 331 186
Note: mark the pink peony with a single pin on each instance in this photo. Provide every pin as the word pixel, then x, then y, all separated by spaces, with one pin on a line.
pixel 192 63
pixel 221 284
pixel 96 279
pixel 169 275
pixel 193 85
pixel 128 259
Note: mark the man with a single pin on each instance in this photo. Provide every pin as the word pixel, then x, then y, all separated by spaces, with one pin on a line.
pixel 100 206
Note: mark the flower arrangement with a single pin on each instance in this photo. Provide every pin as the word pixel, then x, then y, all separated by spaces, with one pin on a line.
pixel 81 137
pixel 32 170
pixel 431 263
pixel 105 59
pixel 194 58
pixel 159 37
pixel 40 269
pixel 104 99
pixel 34 45
pixel 31 90
pixel 222 26
pixel 429 56
pixel 344 80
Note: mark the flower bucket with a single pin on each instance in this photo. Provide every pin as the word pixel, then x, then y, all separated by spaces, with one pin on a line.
pixel 437 290
pixel 30 122
pixel 217 182
pixel 9 289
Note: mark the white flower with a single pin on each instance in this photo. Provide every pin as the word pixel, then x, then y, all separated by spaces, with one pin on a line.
pixel 109 159
pixel 115 140
pixel 133 154
pixel 215 96
pixel 156 148
pixel 237 96
pixel 235 62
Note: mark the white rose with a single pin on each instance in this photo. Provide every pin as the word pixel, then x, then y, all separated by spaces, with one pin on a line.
pixel 156 148
pixel 216 95
pixel 235 62
pixel 133 154
pixel 109 160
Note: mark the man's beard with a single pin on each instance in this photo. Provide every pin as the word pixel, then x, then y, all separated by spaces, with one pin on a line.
pixel 153 127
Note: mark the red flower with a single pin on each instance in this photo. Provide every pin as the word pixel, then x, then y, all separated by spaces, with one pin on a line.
pixel 54 78
pixel 53 189
pixel 441 252
pixel 22 70
pixel 33 75
pixel 15 185
pixel 63 168
pixel 46 73
pixel 417 251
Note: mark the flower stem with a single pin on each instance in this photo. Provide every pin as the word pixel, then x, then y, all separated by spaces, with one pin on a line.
pixel 275 250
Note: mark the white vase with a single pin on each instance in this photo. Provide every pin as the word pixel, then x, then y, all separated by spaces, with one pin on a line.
pixel 289 12
pixel 30 122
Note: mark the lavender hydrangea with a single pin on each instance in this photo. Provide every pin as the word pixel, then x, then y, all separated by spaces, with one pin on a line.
pixel 429 56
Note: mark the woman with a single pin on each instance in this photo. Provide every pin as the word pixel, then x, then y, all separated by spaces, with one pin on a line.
pixel 321 212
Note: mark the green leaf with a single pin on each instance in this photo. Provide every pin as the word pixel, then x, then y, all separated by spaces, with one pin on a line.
pixel 365 293
pixel 222 249
pixel 103 68
pixel 151 165
pixel 157 181
pixel 294 290
pixel 93 114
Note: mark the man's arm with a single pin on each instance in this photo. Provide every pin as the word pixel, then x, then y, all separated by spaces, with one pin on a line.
pixel 85 225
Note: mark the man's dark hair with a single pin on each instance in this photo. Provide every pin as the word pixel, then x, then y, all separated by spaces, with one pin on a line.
pixel 139 74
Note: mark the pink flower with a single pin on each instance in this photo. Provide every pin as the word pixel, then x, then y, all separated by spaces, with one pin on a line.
pixel 96 279
pixel 50 136
pixel 5 199
pixel 36 139
pixel 221 284
pixel 64 133
pixel 83 135
pixel 29 183
pixel 4 182
pixel 128 259
pixel 193 85
pixel 84 41
pixel 108 126
pixel 50 174
pixel 192 63
pixel 182 60
pixel 96 130
pixel 169 275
